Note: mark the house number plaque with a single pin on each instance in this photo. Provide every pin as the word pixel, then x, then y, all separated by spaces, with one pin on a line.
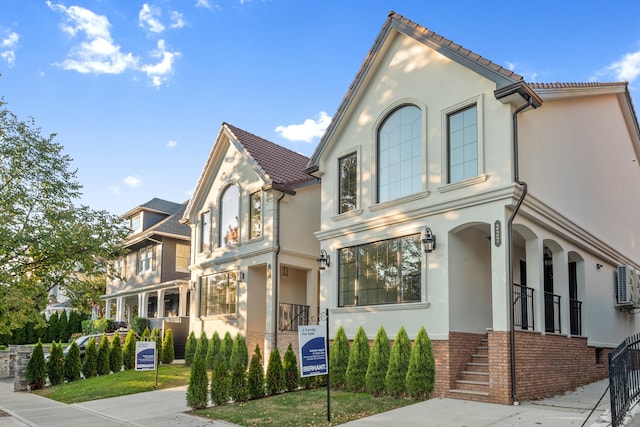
pixel 497 233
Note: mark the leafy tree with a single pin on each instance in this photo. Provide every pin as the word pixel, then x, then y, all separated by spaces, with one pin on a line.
pixel 219 383
pixel 168 351
pixel 54 326
pixel 72 364
pixel 238 390
pixel 256 375
pixel 90 365
pixel 115 354
pixel 226 348
pixel 358 362
pixel 45 235
pixel 63 327
pixel 378 364
pixel 36 373
pixel 102 360
pixel 202 347
pixel 75 323
pixel 421 372
pixel 55 365
pixel 395 383
pixel 290 369
pixel 129 351
pixel 213 351
pixel 190 349
pixel 156 336
pixel 239 352
pixel 139 324
pixel 275 373
pixel 197 391
pixel 339 360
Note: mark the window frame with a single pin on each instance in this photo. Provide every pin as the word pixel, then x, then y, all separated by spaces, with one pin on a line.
pixel 182 257
pixel 137 218
pixel 356 184
pixel 233 234
pixel 145 259
pixel 208 297
pixel 253 232
pixel 205 231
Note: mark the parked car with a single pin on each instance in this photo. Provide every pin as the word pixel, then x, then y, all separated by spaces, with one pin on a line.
pixel 82 342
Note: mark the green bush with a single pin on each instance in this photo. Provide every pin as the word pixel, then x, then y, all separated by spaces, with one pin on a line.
pixel 421 373
pixel 75 323
pixel 53 328
pixel 356 373
pixel 146 334
pixel 256 375
pixel 275 373
pixel 115 354
pixel 239 352
pixel 92 327
pixel 197 391
pixel 72 364
pixel 139 324
pixel 129 350
pixel 290 368
pixel 156 336
pixel 378 364
pixel 226 348
pixel 102 361
pixel 90 365
pixel 238 390
pixel 395 383
pixel 63 327
pixel 168 352
pixel 55 365
pixel 213 351
pixel 190 349
pixel 219 383
pixel 36 373
pixel 201 347
pixel 339 360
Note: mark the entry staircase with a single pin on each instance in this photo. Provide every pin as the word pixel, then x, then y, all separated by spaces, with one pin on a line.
pixel 473 381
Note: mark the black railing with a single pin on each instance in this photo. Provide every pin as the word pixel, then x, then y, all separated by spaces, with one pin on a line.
pixel 523 307
pixel 290 316
pixel 552 313
pixel 575 316
pixel 624 378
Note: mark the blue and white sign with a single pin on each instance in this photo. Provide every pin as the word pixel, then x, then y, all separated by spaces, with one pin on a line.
pixel 145 355
pixel 312 342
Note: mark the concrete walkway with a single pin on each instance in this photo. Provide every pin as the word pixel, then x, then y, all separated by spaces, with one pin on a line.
pixel 167 408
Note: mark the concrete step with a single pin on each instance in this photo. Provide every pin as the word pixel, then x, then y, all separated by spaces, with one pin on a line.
pixel 475 376
pixel 469 392
pixel 480 386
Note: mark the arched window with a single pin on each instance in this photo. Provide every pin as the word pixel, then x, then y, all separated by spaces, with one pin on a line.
pixel 229 213
pixel 400 154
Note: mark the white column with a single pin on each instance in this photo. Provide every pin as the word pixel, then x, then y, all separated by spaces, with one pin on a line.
pixel 182 304
pixel 500 289
pixel 120 309
pixel 143 304
pixel 535 280
pixel 107 309
pixel 561 287
pixel 160 297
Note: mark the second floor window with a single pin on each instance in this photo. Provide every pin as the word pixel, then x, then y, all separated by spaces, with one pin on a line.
pixel 182 257
pixel 348 183
pixel 205 231
pixel 135 223
pixel 463 144
pixel 229 212
pixel 145 259
pixel 119 269
pixel 255 215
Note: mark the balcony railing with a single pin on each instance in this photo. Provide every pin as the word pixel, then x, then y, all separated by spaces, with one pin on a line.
pixel 624 378
pixel 552 313
pixel 290 316
pixel 575 316
pixel 523 307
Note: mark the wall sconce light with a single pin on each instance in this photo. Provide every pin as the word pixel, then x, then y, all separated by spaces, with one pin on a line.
pixel 285 271
pixel 324 261
pixel 192 285
pixel 599 266
pixel 241 276
pixel 429 240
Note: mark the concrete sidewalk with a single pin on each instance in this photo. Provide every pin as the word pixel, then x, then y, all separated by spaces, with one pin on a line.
pixel 167 408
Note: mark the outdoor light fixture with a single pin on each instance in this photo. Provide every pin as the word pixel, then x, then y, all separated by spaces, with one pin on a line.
pixel 285 271
pixel 599 266
pixel 324 261
pixel 192 285
pixel 429 241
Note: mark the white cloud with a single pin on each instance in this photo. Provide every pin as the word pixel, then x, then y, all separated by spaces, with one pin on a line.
pixel 132 181
pixel 8 45
pixel 306 131
pixel 149 18
pixel 627 68
pixel 177 20
pixel 203 3
pixel 115 189
pixel 172 144
pixel 160 72
pixel 98 53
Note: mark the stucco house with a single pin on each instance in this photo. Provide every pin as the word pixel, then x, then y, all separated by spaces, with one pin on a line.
pixel 494 212
pixel 152 280
pixel 252 217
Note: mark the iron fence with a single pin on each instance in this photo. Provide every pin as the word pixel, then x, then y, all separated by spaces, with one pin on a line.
pixel 624 377
pixel 290 316
pixel 523 307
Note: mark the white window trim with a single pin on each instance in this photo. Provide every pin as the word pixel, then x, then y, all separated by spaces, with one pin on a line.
pixel 249 220
pixel 201 248
pixel 358 210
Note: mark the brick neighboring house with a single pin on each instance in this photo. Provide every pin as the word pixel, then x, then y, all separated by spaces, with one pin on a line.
pixel 252 217
pixel 153 278
pixel 427 221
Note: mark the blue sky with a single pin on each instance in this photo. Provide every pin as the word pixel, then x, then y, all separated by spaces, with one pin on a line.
pixel 136 91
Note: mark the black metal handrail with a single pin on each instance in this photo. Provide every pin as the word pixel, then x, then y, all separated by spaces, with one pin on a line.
pixel 552 313
pixel 624 378
pixel 290 316
pixel 523 314
pixel 575 316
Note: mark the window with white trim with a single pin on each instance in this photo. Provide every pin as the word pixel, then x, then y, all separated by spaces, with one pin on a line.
pixel 182 257
pixel 255 215
pixel 218 293
pixel 462 144
pixel 205 231
pixel 145 259
pixel 229 212
pixel 348 183
pixel 135 223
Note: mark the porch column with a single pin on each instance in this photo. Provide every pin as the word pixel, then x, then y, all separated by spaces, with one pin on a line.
pixel 160 297
pixel 561 287
pixel 143 304
pixel 183 290
pixel 120 309
pixel 107 308
pixel 500 289
pixel 270 314
pixel 535 280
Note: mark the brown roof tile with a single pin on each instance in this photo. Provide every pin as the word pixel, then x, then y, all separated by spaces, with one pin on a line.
pixel 575 85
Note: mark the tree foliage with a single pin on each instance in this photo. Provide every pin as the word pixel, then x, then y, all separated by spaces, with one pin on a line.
pixel 395 382
pixel 275 373
pixel 378 363
pixel 226 348
pixel 36 373
pixel 197 391
pixel 72 364
pixel 422 371
pixel 46 238
pixel 115 354
pixel 290 368
pixel 102 361
pixel 219 383
pixel 129 350
pixel 339 360
pixel 55 364
pixel 213 351
pixel 358 361
pixel 190 349
pixel 239 352
pixel 256 375
pixel 201 347
pixel 90 364
pixel 168 351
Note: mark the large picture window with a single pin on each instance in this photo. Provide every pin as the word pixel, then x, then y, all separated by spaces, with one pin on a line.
pixel 463 144
pixel 255 215
pixel 348 183
pixel 400 165
pixel 218 294
pixel 229 212
pixel 386 272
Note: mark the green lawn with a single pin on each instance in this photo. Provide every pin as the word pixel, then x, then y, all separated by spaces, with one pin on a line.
pixel 122 383
pixel 304 408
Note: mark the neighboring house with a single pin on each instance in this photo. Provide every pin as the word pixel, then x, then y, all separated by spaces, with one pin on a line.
pixel 58 302
pixel 252 216
pixel 152 280
pixel 423 170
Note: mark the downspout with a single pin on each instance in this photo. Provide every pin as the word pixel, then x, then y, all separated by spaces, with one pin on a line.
pixel 277 274
pixel 516 179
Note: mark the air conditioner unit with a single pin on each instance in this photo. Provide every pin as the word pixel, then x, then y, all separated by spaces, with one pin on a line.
pixel 626 286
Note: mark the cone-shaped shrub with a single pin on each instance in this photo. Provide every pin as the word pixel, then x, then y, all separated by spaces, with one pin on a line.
pixel 290 368
pixel 213 352
pixel 398 364
pixel 72 365
pixel 115 355
pixel 190 349
pixel 339 360
pixel 226 348
pixel 102 362
pixel 55 365
pixel 378 364
pixel 63 327
pixel 256 375
pixel 275 374
pixel 146 334
pixel 36 373
pixel 129 351
pixel 239 352
pixel 219 383
pixel 197 391
pixel 168 352
pixel 54 327
pixel 156 336
pixel 421 373
pixel 238 390
pixel 90 365
pixel 358 362
pixel 201 347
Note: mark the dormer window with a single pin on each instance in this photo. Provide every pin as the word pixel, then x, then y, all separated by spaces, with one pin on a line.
pixel 135 223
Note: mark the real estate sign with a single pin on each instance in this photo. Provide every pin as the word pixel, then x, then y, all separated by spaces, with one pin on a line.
pixel 145 355
pixel 312 342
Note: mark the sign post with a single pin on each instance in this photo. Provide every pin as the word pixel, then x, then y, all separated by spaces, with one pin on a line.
pixel 313 343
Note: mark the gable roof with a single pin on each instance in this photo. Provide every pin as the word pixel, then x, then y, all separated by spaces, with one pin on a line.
pixel 154 205
pixel 169 227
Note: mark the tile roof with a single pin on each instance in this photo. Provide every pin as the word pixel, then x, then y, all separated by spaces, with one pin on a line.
pixel 575 85
pixel 281 165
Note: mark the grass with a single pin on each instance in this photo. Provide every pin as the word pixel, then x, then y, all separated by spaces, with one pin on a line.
pixel 304 408
pixel 120 384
